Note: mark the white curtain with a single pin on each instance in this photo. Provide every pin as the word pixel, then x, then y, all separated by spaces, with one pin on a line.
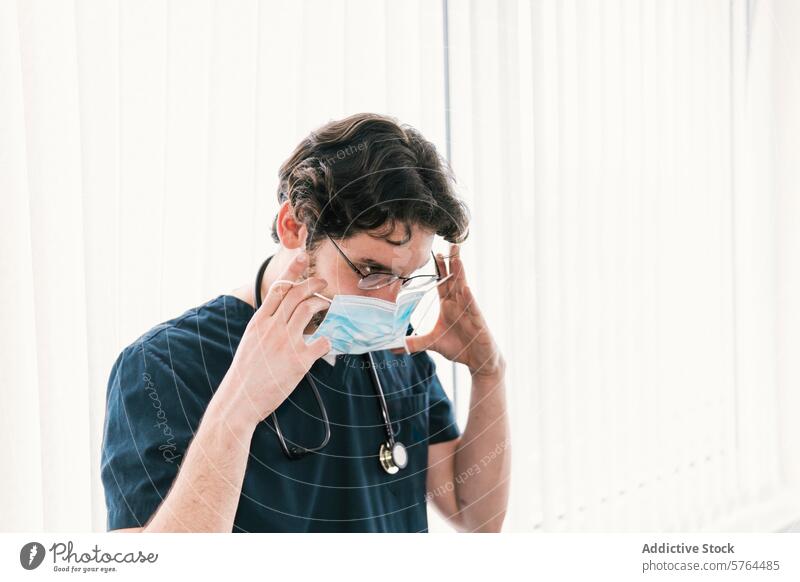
pixel 618 159
pixel 633 242
pixel 140 145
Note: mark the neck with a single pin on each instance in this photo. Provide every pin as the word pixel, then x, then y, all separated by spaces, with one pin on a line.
pixel 276 266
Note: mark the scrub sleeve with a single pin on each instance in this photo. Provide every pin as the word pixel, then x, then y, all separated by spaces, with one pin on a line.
pixel 150 420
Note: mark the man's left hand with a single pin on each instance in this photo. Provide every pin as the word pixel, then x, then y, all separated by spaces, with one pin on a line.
pixel 460 334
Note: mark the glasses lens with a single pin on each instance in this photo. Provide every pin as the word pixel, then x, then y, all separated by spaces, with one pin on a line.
pixel 418 282
pixel 376 281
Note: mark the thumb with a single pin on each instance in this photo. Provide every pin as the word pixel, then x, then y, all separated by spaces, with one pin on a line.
pixel 319 347
pixel 419 343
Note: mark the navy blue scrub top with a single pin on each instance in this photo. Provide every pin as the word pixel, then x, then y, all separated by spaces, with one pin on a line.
pixel 160 386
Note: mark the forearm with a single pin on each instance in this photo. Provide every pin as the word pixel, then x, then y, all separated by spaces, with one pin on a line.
pixel 482 464
pixel 205 494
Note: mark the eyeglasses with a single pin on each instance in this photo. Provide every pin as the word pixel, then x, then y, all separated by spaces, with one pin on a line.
pixel 379 279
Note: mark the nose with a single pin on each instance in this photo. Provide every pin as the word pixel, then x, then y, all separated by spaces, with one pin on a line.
pixel 388 293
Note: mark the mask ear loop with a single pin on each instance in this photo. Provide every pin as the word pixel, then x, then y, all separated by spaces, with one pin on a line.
pixel 296 283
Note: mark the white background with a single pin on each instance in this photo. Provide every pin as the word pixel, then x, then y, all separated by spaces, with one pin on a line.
pixel 631 168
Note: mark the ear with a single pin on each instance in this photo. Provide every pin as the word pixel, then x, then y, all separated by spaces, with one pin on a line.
pixel 292 233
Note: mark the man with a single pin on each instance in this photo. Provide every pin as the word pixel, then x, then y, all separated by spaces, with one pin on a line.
pixel 191 443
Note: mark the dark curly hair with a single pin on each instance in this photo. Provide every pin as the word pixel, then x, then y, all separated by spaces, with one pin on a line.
pixel 367 172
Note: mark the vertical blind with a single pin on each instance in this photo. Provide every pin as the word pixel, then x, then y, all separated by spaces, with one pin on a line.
pixel 623 248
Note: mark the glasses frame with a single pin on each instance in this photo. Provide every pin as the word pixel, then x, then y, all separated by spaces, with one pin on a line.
pixel 397 278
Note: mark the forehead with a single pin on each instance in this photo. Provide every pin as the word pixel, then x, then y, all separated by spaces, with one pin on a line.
pixel 403 249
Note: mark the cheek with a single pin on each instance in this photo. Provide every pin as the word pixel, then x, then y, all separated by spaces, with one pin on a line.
pixel 388 293
pixel 341 279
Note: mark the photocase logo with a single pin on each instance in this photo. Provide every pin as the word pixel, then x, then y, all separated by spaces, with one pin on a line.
pixel 31 555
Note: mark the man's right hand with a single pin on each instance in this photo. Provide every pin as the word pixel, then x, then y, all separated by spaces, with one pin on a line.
pixel 272 356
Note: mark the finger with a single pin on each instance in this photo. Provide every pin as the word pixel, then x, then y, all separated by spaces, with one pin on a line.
pixel 441 264
pixel 443 288
pixel 297 294
pixel 303 313
pixel 456 265
pixel 472 305
pixel 318 348
pixel 284 284
pixel 419 343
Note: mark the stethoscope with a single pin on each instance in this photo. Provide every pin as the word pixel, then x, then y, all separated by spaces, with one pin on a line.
pixel 392 455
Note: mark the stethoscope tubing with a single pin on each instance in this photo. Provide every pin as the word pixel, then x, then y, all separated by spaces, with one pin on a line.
pixel 384 407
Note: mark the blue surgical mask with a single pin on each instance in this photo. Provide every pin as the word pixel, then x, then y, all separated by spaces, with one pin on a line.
pixel 356 324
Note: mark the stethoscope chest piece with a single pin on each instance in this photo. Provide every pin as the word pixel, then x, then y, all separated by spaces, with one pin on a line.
pixel 394 457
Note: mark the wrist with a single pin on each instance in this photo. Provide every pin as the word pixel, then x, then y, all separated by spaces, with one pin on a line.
pixel 493 371
pixel 232 411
